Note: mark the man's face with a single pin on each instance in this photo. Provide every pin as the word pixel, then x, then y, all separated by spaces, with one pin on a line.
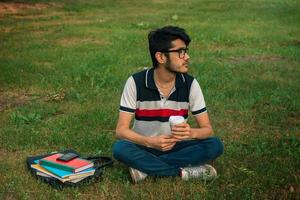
pixel 175 63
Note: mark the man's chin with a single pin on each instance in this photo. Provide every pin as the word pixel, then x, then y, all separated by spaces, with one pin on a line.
pixel 185 69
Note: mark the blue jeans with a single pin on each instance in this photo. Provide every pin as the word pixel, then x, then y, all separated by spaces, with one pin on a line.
pixel 167 163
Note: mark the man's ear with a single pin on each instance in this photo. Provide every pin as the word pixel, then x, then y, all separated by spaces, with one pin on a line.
pixel 160 57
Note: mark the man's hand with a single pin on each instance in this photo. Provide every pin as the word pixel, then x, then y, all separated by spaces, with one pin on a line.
pixel 182 131
pixel 162 142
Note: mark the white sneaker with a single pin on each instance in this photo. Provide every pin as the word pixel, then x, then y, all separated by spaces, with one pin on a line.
pixel 137 175
pixel 204 172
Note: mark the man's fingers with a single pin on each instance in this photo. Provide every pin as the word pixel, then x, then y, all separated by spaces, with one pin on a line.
pixel 166 137
pixel 169 140
pixel 183 125
pixel 180 129
pixel 175 139
pixel 179 133
pixel 168 147
pixel 166 144
pixel 180 137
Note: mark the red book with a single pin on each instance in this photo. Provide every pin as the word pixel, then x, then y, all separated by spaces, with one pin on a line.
pixel 75 165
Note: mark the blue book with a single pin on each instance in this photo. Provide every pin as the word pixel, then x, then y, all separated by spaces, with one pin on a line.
pixel 64 174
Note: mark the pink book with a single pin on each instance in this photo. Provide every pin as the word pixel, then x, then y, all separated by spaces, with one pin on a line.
pixel 75 165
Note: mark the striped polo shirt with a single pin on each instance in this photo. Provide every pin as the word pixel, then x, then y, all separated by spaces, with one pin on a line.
pixel 152 110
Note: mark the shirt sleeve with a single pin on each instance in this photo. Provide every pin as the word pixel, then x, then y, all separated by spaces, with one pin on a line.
pixel 196 100
pixel 128 99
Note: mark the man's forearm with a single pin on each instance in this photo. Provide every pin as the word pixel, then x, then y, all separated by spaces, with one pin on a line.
pixel 201 133
pixel 132 136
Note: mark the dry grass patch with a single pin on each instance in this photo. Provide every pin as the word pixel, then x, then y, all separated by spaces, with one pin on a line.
pixel 64 19
pixel 10 99
pixel 295 42
pixel 3 154
pixel 11 156
pixel 66 42
pixel 289 191
pixel 236 130
pixel 252 58
pixel 47 15
pixel 15 175
pixel 17 98
pixel 39 33
pixel 44 64
pixel 15 8
pixel 5 30
pixel 160 1
pixel 293 120
pixel 220 47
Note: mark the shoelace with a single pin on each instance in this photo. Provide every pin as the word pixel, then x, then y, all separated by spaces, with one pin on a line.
pixel 194 172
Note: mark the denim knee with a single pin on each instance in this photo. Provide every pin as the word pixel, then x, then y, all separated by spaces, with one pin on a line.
pixel 216 148
pixel 117 149
pixel 120 149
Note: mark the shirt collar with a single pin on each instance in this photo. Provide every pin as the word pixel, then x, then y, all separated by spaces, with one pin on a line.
pixel 149 79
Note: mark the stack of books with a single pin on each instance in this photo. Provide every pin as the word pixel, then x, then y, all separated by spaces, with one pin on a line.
pixel 73 171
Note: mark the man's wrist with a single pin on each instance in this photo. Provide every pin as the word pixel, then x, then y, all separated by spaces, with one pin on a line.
pixel 193 133
pixel 147 142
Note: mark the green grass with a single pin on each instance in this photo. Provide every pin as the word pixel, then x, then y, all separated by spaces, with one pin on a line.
pixel 62 71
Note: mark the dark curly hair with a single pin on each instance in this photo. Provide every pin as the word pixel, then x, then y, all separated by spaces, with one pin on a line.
pixel 161 39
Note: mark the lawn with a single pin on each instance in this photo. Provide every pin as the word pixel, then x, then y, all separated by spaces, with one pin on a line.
pixel 63 65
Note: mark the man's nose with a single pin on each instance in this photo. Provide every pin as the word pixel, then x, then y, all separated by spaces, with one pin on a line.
pixel 186 56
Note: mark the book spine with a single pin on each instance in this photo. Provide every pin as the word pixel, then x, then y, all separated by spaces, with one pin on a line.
pixel 56 165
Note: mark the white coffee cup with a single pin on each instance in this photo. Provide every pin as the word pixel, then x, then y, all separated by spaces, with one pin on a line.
pixel 173 120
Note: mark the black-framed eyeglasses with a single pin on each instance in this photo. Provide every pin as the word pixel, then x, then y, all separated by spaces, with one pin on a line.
pixel 181 52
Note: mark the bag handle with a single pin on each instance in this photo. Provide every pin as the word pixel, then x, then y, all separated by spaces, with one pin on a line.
pixel 100 161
